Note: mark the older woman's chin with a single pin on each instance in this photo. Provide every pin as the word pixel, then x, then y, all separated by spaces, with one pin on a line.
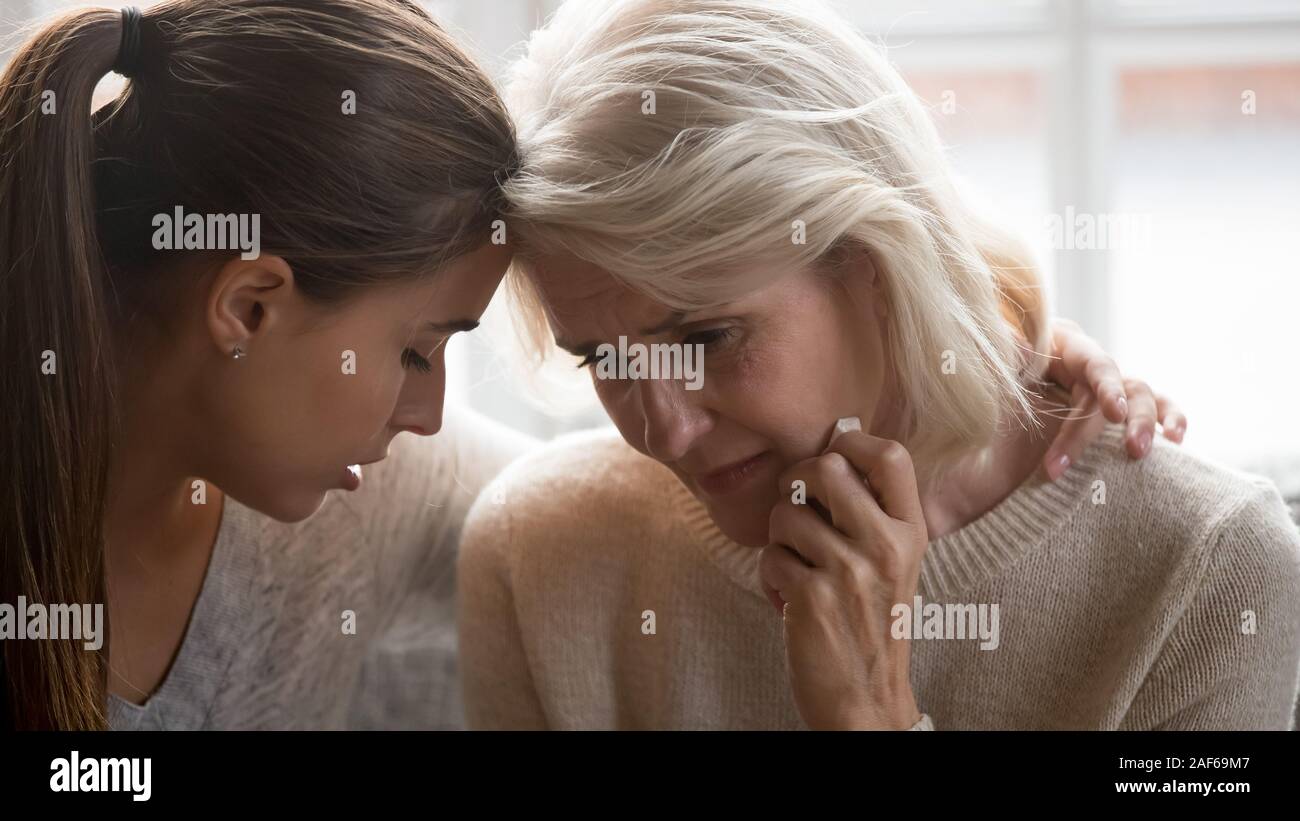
pixel 746 527
pixel 743 515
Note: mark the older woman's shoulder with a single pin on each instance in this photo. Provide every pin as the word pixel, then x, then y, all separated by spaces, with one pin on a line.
pixel 1189 498
pixel 572 480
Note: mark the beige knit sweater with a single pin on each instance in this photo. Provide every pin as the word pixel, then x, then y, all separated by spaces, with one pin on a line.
pixel 1157 594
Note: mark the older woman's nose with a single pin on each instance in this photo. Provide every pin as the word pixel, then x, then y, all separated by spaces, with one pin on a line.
pixel 672 417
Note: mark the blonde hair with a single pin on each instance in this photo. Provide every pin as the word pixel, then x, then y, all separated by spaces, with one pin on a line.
pixel 676 143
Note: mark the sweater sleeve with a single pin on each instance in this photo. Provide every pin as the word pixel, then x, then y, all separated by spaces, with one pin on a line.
pixel 1232 660
pixel 496 683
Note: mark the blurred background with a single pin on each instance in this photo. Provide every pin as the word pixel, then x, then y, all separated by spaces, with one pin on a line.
pixel 1173 128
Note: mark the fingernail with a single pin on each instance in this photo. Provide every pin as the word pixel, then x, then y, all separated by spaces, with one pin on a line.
pixel 1123 406
pixel 1059 466
pixel 1144 444
pixel 848 423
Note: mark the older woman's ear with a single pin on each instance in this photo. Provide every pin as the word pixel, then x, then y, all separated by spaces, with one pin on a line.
pixel 854 259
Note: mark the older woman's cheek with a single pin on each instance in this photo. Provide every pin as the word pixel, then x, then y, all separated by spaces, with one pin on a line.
pixel 776 395
pixel 620 404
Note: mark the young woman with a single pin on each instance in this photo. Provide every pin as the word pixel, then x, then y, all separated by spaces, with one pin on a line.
pixel 158 401
pixel 177 415
pixel 753 177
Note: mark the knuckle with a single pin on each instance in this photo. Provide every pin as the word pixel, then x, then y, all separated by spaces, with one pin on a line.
pixel 860 574
pixel 894 559
pixel 834 467
pixel 896 456
pixel 820 594
pixel 1132 385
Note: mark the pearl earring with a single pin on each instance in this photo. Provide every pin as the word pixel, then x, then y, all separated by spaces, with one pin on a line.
pixel 238 353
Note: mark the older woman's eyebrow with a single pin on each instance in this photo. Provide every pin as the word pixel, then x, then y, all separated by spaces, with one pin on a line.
pixel 585 348
pixel 674 319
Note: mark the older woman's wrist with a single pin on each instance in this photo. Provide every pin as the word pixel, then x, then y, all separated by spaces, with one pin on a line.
pixel 905 717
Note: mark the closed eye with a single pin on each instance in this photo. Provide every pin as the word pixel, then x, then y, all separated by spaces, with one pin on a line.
pixel 411 359
pixel 711 336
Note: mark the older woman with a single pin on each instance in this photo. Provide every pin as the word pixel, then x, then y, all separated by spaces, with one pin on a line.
pixel 754 178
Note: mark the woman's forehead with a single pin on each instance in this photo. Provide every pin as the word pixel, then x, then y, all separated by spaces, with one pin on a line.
pixel 567 282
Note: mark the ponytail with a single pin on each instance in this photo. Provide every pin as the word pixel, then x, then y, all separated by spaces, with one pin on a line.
pixel 55 384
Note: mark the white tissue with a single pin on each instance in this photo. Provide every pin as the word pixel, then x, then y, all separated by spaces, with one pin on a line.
pixel 845 425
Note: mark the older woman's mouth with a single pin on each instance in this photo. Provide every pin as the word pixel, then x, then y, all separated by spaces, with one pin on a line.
pixel 733 477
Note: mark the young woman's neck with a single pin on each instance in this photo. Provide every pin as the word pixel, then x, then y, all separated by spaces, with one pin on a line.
pixel 150 508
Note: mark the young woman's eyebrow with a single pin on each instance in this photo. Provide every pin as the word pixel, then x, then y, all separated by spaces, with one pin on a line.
pixel 577 348
pixel 452 326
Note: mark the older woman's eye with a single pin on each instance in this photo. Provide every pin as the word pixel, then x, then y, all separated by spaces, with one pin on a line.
pixel 411 359
pixel 712 336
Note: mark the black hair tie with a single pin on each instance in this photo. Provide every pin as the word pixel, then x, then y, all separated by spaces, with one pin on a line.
pixel 128 53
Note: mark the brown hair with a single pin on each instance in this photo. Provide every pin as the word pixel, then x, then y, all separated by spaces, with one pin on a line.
pixel 234 106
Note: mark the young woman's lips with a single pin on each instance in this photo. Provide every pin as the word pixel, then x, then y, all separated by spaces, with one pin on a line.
pixel 733 477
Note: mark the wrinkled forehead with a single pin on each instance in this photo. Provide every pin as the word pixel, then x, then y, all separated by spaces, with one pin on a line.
pixel 575 292
pixel 572 289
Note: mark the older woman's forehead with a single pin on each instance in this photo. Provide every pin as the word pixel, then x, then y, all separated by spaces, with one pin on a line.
pixel 569 285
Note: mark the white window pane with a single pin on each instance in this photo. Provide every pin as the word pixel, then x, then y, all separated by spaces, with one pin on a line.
pixel 1205 308
pixel 994 123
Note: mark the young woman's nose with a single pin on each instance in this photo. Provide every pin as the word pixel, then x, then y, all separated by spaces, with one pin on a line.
pixel 420 408
pixel 671 417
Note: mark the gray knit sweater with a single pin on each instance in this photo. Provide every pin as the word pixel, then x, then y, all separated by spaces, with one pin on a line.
pixel 266 648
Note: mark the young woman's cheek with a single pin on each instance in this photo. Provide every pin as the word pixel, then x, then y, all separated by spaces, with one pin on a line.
pixel 357 389
pixel 383 393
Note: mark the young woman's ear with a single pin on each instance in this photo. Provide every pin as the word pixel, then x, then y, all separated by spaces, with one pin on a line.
pixel 245 298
